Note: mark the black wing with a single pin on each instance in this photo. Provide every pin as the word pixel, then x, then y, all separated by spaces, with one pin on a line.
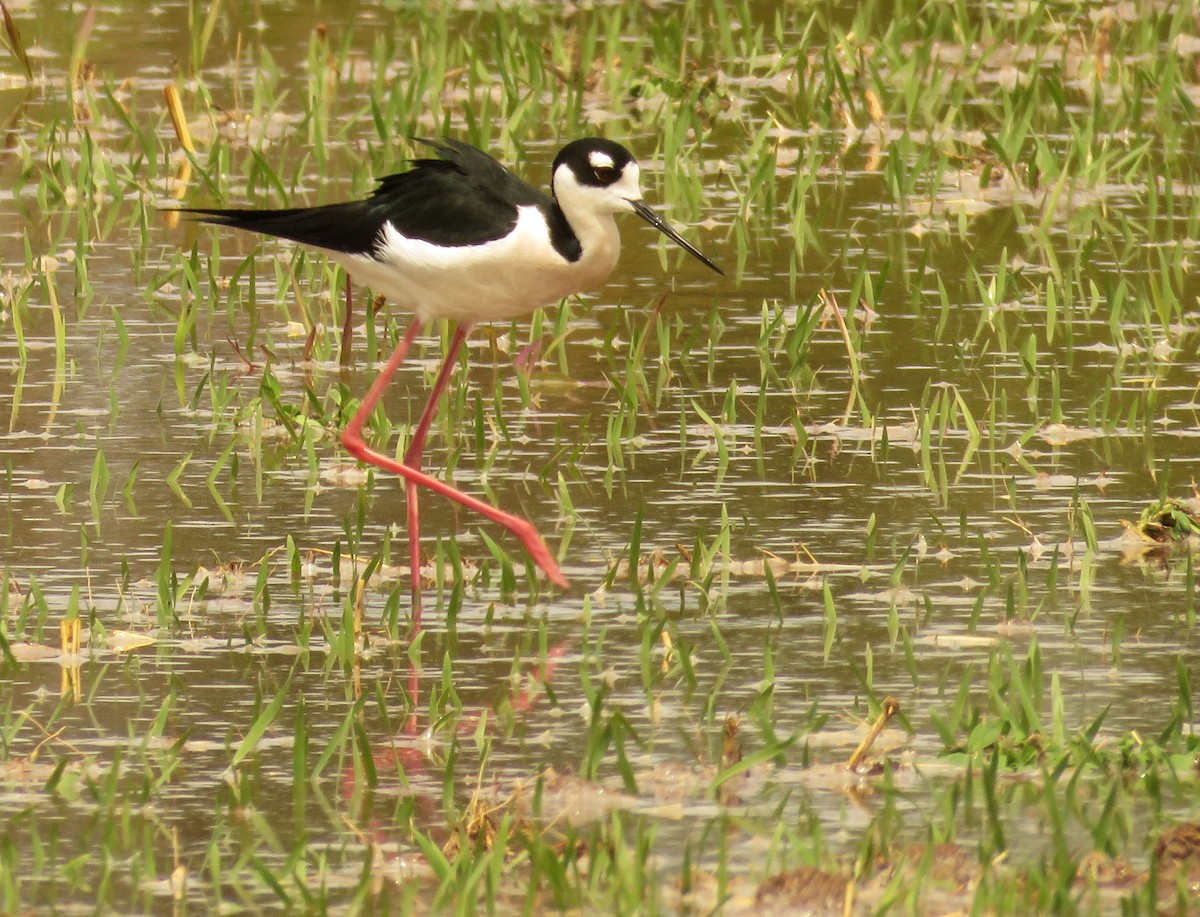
pixel 490 178
pixel 464 198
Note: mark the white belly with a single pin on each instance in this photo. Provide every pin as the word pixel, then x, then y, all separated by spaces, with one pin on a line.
pixel 498 280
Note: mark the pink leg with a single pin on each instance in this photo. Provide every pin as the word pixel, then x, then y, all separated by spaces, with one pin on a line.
pixel 412 458
pixel 409 469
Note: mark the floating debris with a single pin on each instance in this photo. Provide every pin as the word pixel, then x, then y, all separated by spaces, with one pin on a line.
pixel 890 708
pixel 805 890
pixel 122 641
pixel 1178 850
pixel 34 652
pixel 1170 521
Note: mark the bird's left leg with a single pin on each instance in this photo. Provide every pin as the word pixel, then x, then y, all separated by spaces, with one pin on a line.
pixel 412 458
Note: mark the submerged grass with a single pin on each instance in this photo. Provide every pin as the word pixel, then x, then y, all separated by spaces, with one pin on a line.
pixel 887 465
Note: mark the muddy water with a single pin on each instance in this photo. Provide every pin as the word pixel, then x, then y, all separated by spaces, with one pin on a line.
pixel 944 542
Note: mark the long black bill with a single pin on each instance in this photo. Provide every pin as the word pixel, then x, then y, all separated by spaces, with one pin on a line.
pixel 642 209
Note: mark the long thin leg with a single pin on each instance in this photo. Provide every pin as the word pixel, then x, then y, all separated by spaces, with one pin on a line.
pixel 412 458
pixel 523 529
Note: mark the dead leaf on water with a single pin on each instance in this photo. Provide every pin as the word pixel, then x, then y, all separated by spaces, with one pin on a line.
pixel 571 799
pixel 344 474
pixel 30 771
pixel 24 771
pixel 34 652
pixel 122 641
pixel 956 641
pixel 1059 434
pixel 1045 482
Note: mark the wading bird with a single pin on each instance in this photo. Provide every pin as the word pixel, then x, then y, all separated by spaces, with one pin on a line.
pixel 462 238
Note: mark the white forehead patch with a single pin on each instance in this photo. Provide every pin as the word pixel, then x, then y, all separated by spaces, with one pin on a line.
pixel 599 160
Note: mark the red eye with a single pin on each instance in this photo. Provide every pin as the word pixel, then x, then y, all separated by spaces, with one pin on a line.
pixel 606 174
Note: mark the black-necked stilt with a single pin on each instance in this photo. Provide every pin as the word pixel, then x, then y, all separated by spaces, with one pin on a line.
pixel 462 238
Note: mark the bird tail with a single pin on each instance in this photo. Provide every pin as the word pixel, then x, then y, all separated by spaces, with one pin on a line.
pixel 336 227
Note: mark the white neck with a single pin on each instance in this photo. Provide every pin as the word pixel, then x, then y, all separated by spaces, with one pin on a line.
pixel 589 210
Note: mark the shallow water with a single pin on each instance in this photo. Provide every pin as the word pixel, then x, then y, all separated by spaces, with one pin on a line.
pixel 923 552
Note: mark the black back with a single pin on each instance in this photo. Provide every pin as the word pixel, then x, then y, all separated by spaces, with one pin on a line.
pixel 464 198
